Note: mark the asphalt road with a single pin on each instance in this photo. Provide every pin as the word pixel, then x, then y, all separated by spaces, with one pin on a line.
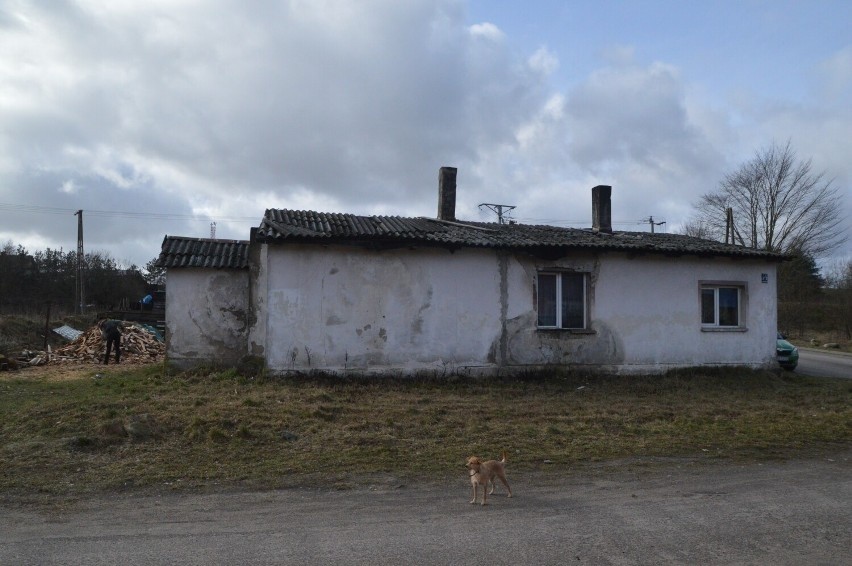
pixel 797 512
pixel 823 363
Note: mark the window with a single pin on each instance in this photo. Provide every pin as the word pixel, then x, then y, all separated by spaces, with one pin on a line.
pixel 562 300
pixel 720 305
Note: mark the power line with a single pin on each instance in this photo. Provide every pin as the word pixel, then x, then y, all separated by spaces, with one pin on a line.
pixel 36 209
pixel 561 222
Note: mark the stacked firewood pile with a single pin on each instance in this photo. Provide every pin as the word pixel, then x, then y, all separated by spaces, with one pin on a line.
pixel 138 345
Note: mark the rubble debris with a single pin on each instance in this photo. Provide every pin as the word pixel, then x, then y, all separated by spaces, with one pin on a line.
pixel 138 346
pixel 7 364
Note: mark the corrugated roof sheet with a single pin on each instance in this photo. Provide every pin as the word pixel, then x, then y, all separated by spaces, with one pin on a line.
pixel 67 332
pixel 177 251
pixel 280 226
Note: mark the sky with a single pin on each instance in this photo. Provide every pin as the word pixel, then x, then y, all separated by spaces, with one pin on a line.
pixel 167 116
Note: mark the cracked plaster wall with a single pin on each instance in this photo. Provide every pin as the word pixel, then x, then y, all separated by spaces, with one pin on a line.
pixel 422 309
pixel 409 310
pixel 206 316
pixel 644 315
pixel 350 308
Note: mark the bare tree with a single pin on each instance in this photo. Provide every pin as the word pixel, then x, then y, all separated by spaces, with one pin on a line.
pixel 778 204
pixel 697 229
pixel 838 274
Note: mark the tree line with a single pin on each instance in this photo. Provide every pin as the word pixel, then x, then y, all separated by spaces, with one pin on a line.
pixel 28 281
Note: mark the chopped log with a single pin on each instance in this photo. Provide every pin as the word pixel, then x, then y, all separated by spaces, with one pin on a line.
pixel 137 346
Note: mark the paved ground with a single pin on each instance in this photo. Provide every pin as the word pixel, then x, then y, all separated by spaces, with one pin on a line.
pixel 797 512
pixel 824 363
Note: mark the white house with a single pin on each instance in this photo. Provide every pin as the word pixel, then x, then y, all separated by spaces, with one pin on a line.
pixel 346 293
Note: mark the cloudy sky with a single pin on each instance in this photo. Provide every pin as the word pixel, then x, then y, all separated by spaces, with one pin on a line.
pixel 161 117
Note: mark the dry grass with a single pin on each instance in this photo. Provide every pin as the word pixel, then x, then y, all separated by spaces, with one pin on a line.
pixel 147 428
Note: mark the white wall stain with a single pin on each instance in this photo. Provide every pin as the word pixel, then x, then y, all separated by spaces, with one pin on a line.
pixel 347 308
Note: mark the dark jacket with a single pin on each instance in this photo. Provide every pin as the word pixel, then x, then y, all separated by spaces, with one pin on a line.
pixel 111 328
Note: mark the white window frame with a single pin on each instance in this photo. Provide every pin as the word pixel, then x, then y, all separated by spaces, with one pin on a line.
pixel 558 302
pixel 717 323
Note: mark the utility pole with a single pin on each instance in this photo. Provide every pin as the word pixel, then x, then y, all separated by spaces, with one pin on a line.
pixel 80 295
pixel 731 232
pixel 213 230
pixel 652 223
pixel 729 225
pixel 498 209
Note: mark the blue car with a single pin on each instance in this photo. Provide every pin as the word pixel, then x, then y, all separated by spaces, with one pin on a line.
pixel 787 354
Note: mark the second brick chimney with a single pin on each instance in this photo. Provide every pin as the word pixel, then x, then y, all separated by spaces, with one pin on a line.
pixel 447 193
pixel 602 209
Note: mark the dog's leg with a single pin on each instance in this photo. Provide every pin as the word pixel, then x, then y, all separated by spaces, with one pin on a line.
pixel 502 477
pixel 493 485
pixel 473 488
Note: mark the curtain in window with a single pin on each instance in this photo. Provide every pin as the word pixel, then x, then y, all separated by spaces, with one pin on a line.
pixel 729 306
pixel 573 300
pixel 547 299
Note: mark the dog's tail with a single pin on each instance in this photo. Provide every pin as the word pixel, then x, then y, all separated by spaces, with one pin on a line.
pixel 503 457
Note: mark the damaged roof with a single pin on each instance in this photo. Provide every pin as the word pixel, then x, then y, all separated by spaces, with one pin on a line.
pixel 178 251
pixel 281 226
pixel 298 226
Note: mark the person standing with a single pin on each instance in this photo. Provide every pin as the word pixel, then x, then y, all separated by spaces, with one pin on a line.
pixel 111 331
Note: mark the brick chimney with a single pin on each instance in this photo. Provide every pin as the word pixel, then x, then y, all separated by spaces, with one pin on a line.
pixel 602 209
pixel 447 193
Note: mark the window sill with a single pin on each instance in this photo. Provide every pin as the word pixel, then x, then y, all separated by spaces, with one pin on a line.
pixel 724 329
pixel 579 331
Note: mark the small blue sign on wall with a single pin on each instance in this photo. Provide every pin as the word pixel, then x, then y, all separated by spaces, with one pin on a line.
pixel 764 278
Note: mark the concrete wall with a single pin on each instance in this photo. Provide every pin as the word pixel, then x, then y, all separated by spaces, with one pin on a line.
pixel 355 309
pixel 645 316
pixel 351 309
pixel 206 316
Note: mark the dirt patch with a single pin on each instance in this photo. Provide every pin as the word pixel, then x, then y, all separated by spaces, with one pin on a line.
pixel 70 371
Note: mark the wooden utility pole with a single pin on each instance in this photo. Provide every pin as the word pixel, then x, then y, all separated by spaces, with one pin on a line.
pixel 729 226
pixel 731 232
pixel 80 295
pixel 46 325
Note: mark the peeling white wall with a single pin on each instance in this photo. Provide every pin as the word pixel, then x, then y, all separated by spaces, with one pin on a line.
pixel 356 309
pixel 206 313
pixel 652 305
pixel 645 315
pixel 350 309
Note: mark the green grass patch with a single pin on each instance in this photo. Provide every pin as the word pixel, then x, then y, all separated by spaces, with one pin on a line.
pixel 151 428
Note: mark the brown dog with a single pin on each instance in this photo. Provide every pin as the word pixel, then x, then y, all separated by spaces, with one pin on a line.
pixel 483 473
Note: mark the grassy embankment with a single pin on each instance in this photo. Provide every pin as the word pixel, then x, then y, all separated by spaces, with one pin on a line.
pixel 149 428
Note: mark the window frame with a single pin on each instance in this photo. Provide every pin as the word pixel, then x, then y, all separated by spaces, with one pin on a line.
pixel 557 301
pixel 718 314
